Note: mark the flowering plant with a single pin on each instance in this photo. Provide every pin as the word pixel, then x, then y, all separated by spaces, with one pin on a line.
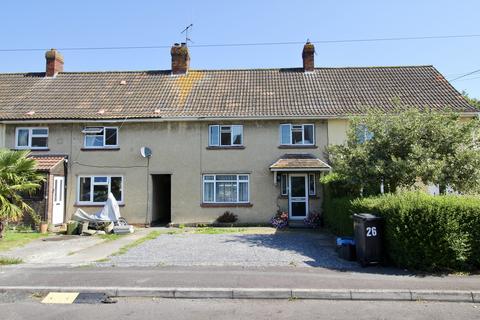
pixel 280 220
pixel 313 220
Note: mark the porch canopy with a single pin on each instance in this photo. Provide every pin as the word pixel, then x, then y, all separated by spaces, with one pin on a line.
pixel 299 162
pixel 49 163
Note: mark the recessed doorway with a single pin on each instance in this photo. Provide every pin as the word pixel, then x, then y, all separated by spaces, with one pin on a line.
pixel 161 199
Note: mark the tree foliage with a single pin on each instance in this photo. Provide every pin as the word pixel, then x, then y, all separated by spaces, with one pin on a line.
pixel 18 176
pixel 399 149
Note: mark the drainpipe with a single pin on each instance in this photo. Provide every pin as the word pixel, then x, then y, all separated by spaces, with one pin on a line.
pixel 45 196
pixel 65 183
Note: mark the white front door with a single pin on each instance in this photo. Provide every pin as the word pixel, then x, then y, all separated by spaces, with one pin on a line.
pixel 58 200
pixel 298 196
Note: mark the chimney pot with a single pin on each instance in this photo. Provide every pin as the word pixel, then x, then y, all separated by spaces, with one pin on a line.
pixel 180 58
pixel 308 57
pixel 54 63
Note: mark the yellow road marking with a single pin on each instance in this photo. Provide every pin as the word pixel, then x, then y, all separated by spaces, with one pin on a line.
pixel 60 297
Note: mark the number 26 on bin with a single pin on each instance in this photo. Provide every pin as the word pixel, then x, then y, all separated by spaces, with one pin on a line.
pixel 371 231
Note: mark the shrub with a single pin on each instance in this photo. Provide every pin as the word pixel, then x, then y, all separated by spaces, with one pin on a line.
pixel 313 220
pixel 337 214
pixel 280 220
pixel 424 232
pixel 227 217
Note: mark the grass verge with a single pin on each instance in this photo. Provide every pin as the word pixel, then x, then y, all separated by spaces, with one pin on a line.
pixel 152 235
pixel 211 230
pixel 12 239
pixel 7 261
pixel 110 236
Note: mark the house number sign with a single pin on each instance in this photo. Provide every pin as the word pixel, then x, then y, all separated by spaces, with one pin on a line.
pixel 371 231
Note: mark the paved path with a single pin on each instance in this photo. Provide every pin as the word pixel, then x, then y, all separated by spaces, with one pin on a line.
pixel 69 250
pixel 297 249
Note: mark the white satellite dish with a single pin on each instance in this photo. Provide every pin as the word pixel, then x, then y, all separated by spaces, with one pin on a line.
pixel 146 152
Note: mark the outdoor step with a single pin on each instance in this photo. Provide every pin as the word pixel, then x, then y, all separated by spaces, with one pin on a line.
pixel 298 224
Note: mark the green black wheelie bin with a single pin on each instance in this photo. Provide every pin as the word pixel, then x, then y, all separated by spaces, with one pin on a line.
pixel 368 230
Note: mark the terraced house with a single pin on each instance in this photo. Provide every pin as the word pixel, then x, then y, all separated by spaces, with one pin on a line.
pixel 185 145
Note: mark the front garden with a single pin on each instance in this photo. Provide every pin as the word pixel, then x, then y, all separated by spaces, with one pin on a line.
pixel 385 168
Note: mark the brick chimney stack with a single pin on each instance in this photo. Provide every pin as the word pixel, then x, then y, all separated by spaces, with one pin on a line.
pixel 180 58
pixel 54 63
pixel 308 57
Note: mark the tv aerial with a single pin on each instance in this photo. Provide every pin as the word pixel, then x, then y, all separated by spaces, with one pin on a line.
pixel 186 30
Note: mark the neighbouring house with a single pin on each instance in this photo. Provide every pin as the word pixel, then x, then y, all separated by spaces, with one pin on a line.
pixel 248 141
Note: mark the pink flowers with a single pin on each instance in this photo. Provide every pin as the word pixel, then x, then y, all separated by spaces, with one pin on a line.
pixel 280 220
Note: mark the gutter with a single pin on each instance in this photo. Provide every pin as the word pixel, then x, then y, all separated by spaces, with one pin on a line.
pixel 180 119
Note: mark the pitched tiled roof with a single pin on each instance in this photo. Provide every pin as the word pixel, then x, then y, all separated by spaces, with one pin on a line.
pixel 46 163
pixel 327 92
pixel 299 162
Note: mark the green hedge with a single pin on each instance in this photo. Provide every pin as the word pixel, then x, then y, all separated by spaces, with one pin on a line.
pixel 337 214
pixel 423 232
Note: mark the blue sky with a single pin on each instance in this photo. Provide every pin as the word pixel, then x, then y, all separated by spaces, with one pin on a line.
pixel 46 24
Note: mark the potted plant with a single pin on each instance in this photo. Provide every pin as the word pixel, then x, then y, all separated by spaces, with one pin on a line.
pixel 43 227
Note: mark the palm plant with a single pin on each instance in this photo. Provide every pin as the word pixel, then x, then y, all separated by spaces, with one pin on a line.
pixel 18 176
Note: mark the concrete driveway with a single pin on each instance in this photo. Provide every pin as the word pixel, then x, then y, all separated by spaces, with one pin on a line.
pixel 302 248
pixel 69 250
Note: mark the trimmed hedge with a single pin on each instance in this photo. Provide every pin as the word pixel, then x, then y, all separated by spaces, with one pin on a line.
pixel 422 232
pixel 337 214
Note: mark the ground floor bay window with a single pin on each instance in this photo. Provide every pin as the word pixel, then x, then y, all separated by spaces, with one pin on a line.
pixel 226 188
pixel 95 189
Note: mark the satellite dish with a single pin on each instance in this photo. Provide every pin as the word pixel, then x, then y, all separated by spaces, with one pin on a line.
pixel 146 152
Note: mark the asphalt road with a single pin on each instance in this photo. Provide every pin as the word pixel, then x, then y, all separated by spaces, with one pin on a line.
pixel 239 309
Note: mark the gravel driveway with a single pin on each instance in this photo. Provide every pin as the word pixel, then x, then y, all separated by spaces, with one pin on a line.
pixel 290 248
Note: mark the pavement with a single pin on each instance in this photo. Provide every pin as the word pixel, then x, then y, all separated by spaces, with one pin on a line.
pixel 240 282
pixel 240 309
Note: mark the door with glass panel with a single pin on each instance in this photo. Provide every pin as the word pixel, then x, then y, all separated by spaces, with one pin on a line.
pixel 58 200
pixel 298 196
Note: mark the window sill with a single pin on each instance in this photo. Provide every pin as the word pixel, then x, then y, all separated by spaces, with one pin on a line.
pixel 100 149
pixel 99 205
pixel 225 148
pixel 310 197
pixel 31 149
pixel 297 146
pixel 226 205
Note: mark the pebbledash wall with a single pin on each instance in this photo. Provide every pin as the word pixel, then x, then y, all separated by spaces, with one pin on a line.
pixel 181 149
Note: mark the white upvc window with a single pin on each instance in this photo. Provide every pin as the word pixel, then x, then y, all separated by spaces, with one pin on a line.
pixel 363 134
pixel 31 138
pixel 297 134
pixel 226 188
pixel 95 189
pixel 284 184
pixel 225 135
pixel 100 137
pixel 312 185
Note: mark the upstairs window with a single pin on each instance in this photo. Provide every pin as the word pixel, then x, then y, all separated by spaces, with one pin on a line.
pixel 363 134
pixel 297 134
pixel 225 136
pixel 101 137
pixel 31 138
